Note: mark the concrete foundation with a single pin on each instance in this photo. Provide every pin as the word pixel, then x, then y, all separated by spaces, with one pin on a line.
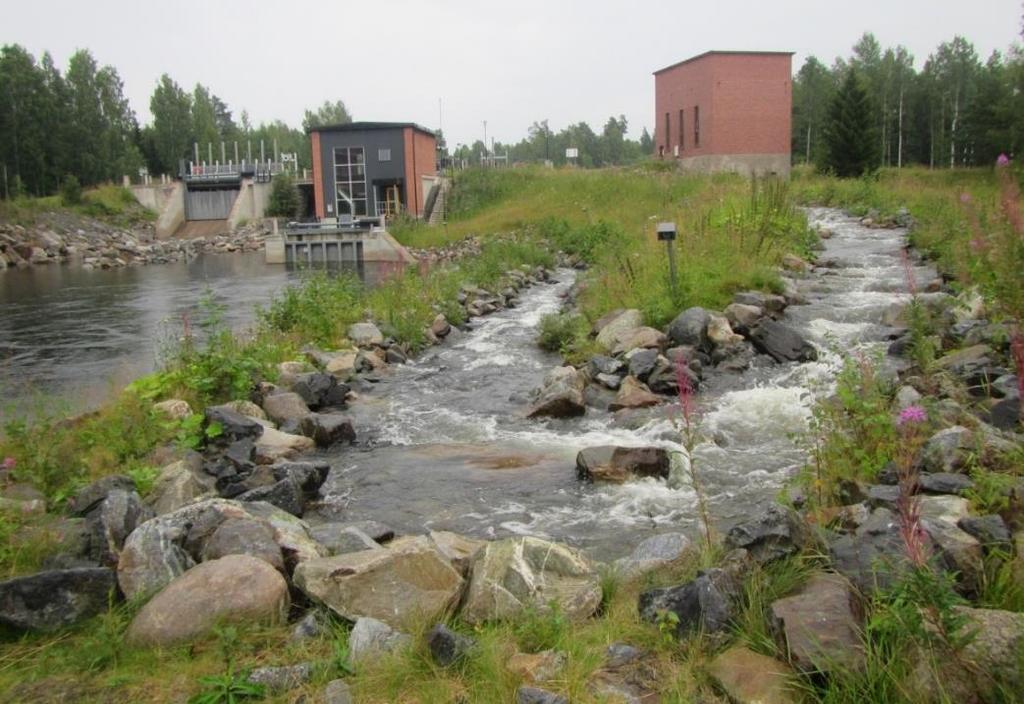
pixel 251 203
pixel 167 201
pixel 746 164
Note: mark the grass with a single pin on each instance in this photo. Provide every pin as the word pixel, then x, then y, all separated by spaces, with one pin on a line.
pixel 107 202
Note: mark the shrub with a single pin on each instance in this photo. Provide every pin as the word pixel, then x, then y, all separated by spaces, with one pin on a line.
pixel 558 331
pixel 71 190
pixel 284 197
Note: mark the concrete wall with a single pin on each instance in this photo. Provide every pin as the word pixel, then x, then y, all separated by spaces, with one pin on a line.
pixel 745 103
pixel 167 201
pixel 746 164
pixel 251 203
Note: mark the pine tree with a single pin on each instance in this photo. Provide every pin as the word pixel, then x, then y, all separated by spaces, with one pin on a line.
pixel 851 142
pixel 284 197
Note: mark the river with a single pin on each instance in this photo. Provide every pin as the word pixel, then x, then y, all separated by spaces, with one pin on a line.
pixel 70 336
pixel 445 445
pixel 443 441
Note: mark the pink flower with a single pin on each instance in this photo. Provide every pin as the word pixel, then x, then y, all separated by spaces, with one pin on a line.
pixel 965 197
pixel 912 414
pixel 1002 160
pixel 8 463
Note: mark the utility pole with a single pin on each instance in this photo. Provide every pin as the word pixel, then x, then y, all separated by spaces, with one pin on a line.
pixel 485 137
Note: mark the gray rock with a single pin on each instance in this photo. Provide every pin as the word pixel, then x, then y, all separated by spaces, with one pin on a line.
pixel 652 553
pixel 642 363
pixel 328 429
pixel 52 600
pixel 320 390
pixel 743 317
pixel 111 521
pixel 690 328
pixel 874 557
pixel 883 495
pixel 561 395
pixel 619 654
pixel 286 494
pixel 341 538
pixel 244 536
pixel 310 626
pixel 944 483
pixel 372 637
pixel 768 301
pixel 610 381
pixel 448 647
pixel 782 343
pixel 286 409
pixel 337 692
pixel 620 464
pixel 601 364
pixel 704 604
pixel 1005 414
pixel 365 335
pixel 308 475
pixel 907 396
pixel 820 627
pixel 87 498
pixel 777 532
pixel 947 450
pixel 534 695
pixel 282 679
pixel 990 531
pixel 234 426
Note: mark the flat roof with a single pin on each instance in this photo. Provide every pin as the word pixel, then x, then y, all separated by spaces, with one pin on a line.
pixel 716 52
pixel 361 126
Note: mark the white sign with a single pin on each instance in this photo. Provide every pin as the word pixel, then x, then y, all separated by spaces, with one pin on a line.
pixel 572 153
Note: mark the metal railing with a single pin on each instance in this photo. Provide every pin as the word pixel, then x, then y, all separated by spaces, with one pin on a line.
pixel 261 171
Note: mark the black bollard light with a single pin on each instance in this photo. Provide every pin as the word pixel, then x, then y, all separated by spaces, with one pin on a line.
pixel 667 234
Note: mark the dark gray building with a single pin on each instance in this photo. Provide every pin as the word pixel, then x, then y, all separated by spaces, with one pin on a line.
pixel 366 169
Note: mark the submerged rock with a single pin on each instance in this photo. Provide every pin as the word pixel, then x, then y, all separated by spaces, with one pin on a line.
pixel 617 465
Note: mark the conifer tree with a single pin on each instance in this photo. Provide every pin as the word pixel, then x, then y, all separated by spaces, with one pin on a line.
pixel 851 143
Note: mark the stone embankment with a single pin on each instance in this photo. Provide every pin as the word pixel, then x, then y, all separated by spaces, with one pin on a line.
pixel 95 245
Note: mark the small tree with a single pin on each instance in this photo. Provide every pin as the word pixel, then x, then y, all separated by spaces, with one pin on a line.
pixel 851 146
pixel 70 190
pixel 284 197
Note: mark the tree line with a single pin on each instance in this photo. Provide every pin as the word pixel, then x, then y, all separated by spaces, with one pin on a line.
pixel 609 148
pixel 78 123
pixel 955 111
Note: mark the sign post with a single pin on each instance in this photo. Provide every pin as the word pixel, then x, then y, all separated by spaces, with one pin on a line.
pixel 667 234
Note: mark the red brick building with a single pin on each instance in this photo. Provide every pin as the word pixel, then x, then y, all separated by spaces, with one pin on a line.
pixel 726 111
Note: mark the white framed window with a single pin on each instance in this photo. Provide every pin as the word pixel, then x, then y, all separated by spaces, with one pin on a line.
pixel 383 155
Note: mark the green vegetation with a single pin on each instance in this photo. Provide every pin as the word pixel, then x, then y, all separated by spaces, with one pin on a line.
pixel 850 146
pixel 284 197
pixel 111 204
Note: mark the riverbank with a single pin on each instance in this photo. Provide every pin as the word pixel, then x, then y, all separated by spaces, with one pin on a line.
pixel 755 613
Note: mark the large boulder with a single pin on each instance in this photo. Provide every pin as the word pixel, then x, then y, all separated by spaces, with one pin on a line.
pixel 232 588
pixel 719 332
pixel 988 668
pixel 617 465
pixel 244 536
pixel 400 584
pixel 706 603
pixel 781 342
pixel 948 450
pixel 690 328
pixel 275 445
pixel 775 533
pixel 743 317
pixel 516 574
pixel 232 424
pixel 111 521
pixel 642 363
pixel 820 626
pixel 52 600
pixel 617 327
pixel 90 496
pixel 874 557
pixel 319 390
pixel 640 338
pixel 747 677
pixel 165 547
pixel 341 538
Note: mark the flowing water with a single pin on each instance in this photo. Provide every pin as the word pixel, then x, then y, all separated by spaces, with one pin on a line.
pixel 445 444
pixel 78 334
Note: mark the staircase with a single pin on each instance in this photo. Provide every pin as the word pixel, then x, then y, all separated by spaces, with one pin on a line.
pixel 439 211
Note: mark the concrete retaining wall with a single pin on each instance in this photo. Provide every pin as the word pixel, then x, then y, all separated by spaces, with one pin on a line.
pixel 746 164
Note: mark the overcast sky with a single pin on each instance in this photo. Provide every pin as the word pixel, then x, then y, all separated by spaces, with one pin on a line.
pixel 508 63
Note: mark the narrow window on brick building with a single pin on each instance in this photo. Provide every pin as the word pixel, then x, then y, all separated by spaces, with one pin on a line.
pixel 682 131
pixel 696 125
pixel 668 131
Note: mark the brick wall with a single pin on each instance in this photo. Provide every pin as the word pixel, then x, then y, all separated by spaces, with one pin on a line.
pixel 745 103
